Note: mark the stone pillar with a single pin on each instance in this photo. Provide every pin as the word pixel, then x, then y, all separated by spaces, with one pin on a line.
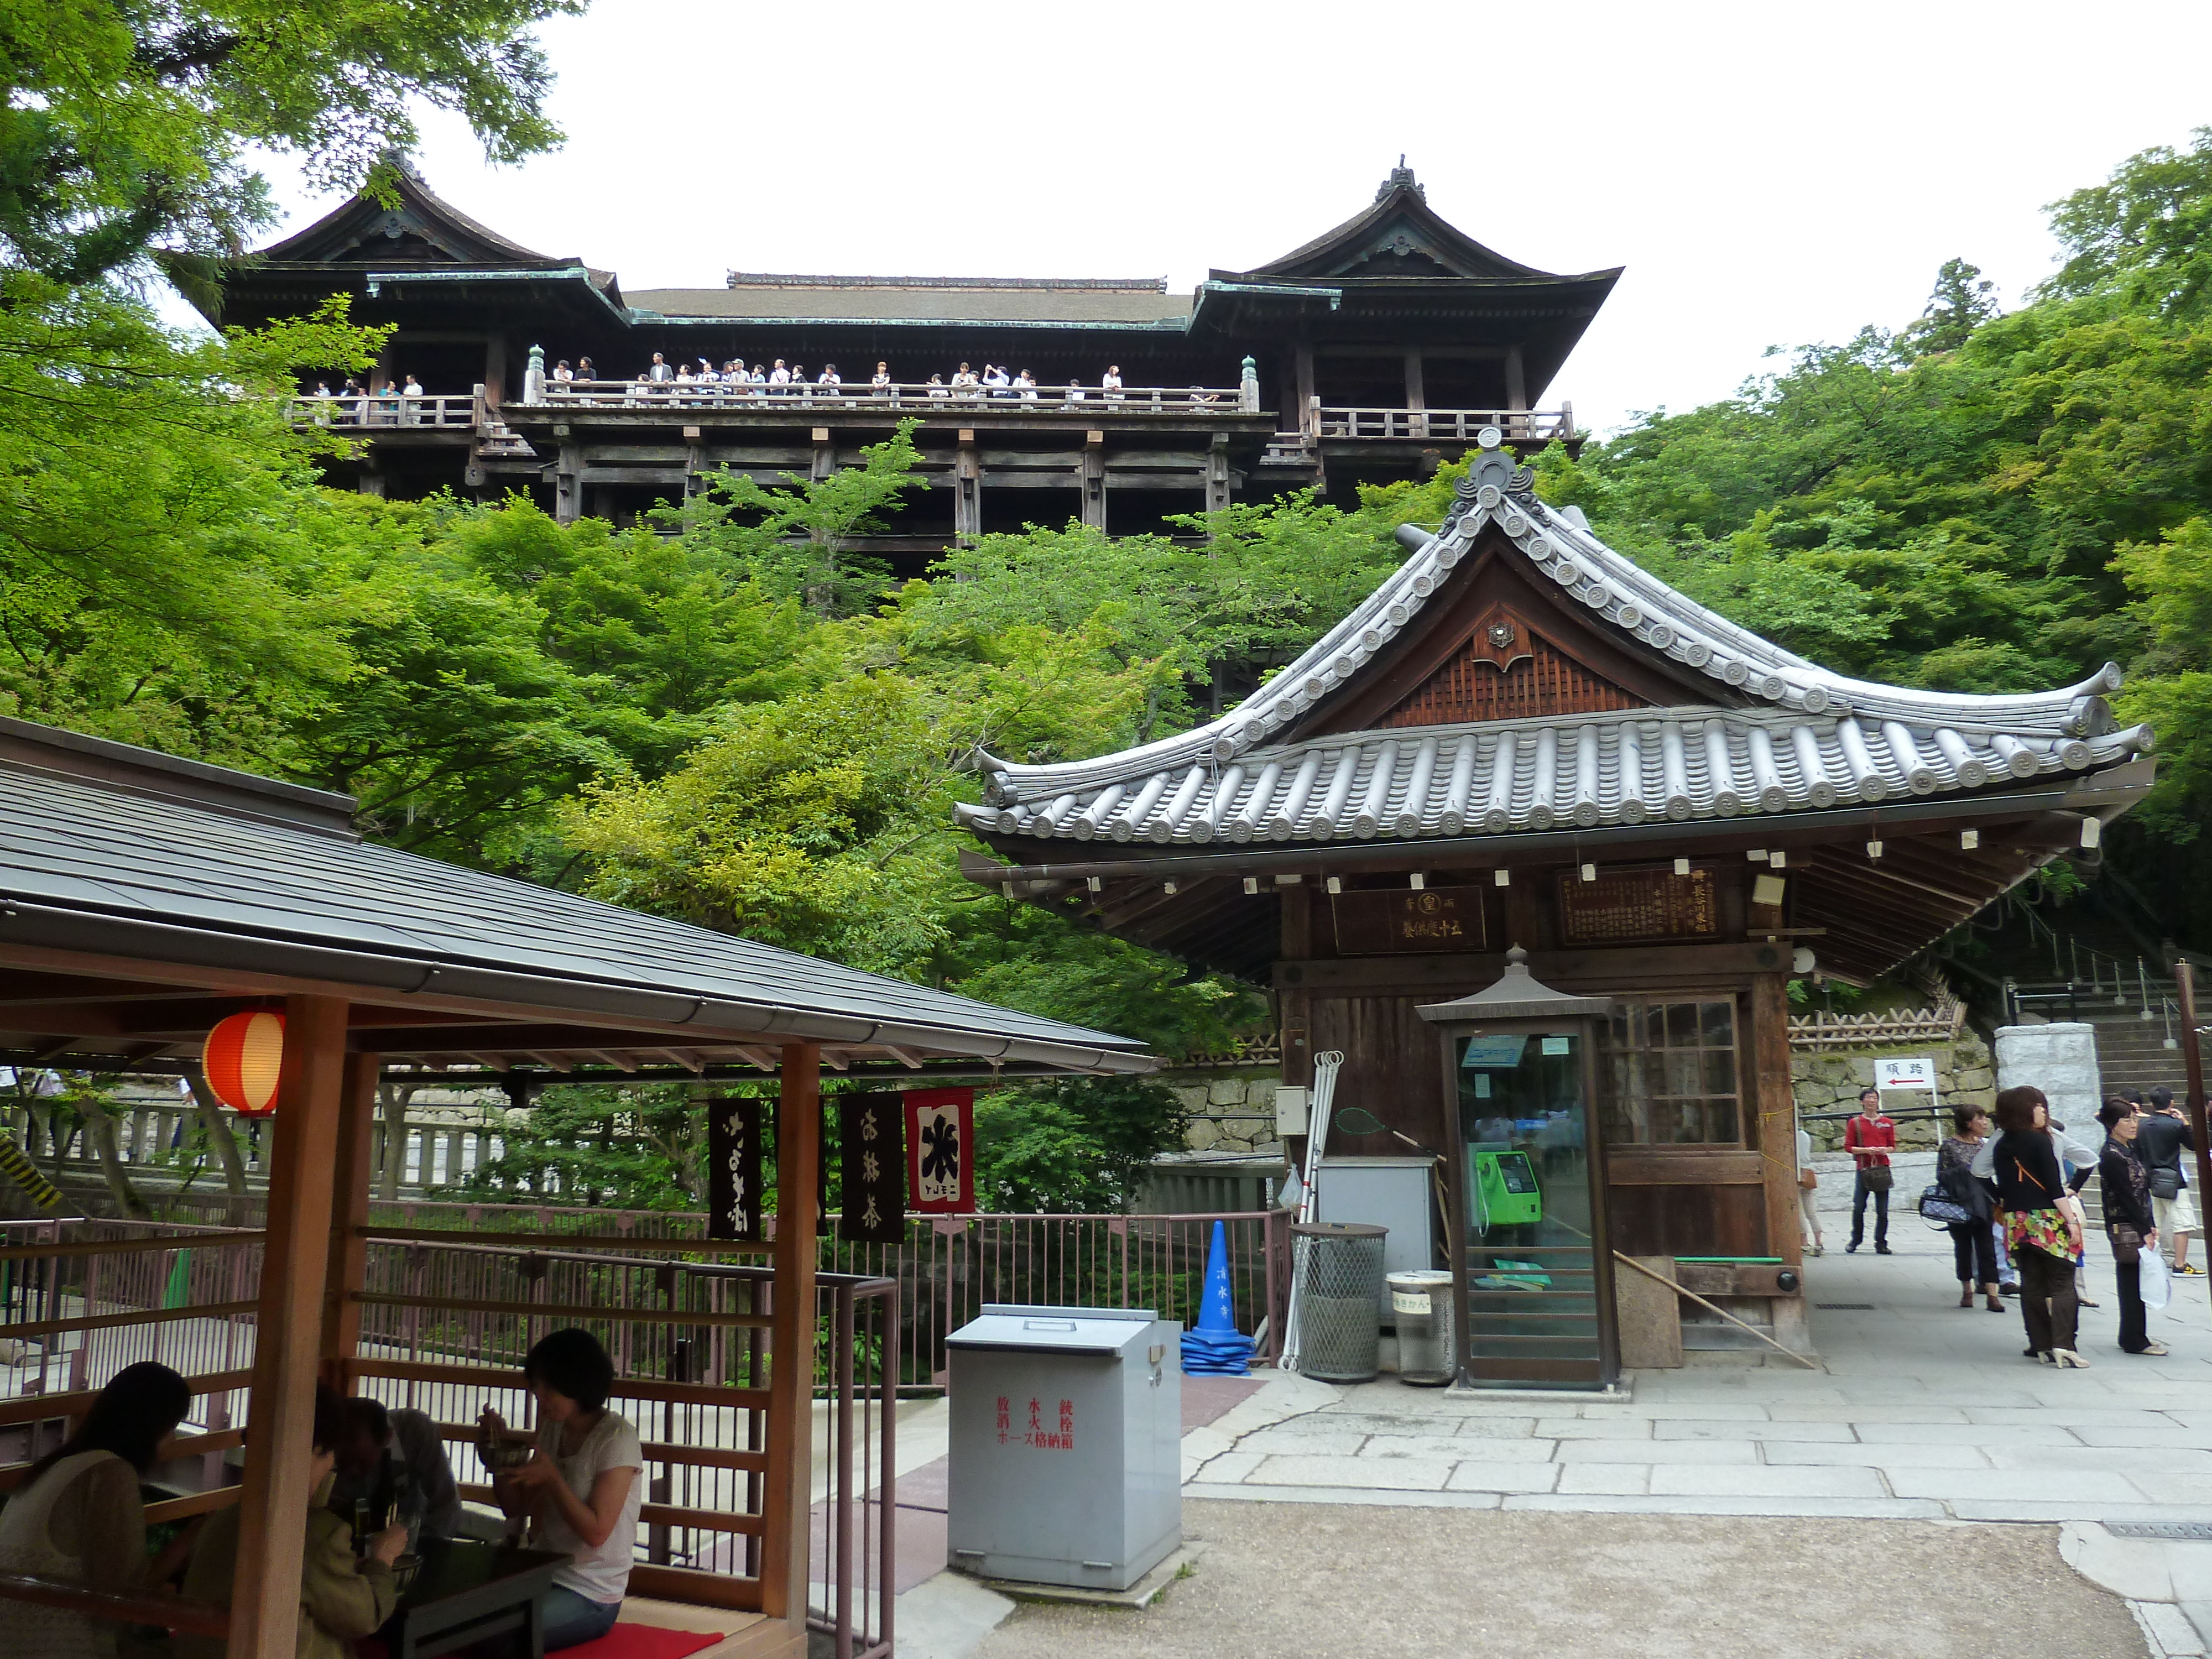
pixel 2061 1059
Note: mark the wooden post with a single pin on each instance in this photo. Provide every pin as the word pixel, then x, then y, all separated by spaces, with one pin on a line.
pixel 568 488
pixel 495 378
pixel 1303 368
pixel 1216 474
pixel 791 1373
pixel 264 1604
pixel 352 1175
pixel 1777 1101
pixel 967 491
pixel 2192 1065
pixel 1093 480
pixel 1517 381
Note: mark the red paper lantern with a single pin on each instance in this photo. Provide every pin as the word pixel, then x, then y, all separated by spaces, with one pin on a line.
pixel 243 1059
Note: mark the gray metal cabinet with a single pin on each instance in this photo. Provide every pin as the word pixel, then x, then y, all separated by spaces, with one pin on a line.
pixel 1067 1444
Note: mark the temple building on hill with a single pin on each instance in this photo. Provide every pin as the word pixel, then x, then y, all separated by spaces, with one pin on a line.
pixel 1524 742
pixel 1371 353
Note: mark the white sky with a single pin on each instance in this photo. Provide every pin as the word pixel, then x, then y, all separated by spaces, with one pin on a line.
pixel 1768 173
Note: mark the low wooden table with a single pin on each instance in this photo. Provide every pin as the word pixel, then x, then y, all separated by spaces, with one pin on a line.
pixel 468 1592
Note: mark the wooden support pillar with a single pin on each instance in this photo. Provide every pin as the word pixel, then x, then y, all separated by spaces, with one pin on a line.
pixel 264 1604
pixel 695 462
pixel 1416 397
pixel 1093 481
pixel 353 1176
pixel 371 481
pixel 1302 367
pixel 567 485
pixel 1777 1113
pixel 1517 381
pixel 825 455
pixel 791 1337
pixel 967 491
pixel 1216 474
pixel 495 378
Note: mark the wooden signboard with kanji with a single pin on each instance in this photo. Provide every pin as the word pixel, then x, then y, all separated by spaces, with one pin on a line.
pixel 940 1165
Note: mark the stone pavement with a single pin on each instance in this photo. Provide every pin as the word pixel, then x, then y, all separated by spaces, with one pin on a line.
pixel 1920 1412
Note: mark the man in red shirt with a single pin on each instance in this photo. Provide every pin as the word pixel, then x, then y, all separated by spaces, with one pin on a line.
pixel 1870 1137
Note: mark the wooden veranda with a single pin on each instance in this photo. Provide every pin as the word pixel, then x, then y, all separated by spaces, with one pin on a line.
pixel 148 899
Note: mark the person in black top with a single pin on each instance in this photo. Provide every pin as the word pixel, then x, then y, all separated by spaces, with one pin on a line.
pixel 2161 1137
pixel 2129 1223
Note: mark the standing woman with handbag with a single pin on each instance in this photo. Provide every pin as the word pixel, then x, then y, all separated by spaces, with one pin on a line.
pixel 1973 1245
pixel 2042 1234
pixel 1808 1190
pixel 2129 1221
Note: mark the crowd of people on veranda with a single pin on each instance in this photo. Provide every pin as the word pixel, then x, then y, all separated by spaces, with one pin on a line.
pixel 2009 1194
pixel 702 376
pixel 381 1484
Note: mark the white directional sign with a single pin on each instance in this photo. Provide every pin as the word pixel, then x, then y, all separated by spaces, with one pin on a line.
pixel 1918 1073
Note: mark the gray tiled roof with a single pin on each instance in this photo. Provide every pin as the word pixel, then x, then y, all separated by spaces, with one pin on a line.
pixel 1797 736
pixel 888 302
pixel 150 875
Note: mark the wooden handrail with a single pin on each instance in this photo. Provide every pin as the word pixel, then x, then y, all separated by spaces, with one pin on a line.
pixel 208 1241
pixel 142 1316
pixel 465 1238
pixel 198 1502
pixel 657 1451
pixel 664 1515
pixel 121 1606
pixel 759 1321
pixel 176 1446
pixel 44 1407
pixel 625 1388
pixel 907 395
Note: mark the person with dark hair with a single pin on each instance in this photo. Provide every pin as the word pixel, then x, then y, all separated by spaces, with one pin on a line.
pixel 2130 1226
pixel 1870 1138
pixel 2043 1234
pixel 341 1600
pixel 2162 1138
pixel 396 1461
pixel 582 1488
pixel 1973 1245
pixel 77 1516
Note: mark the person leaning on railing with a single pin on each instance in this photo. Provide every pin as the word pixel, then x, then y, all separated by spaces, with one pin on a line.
pixel 78 1516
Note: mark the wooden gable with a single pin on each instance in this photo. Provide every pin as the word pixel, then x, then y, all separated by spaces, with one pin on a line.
pixel 1506 645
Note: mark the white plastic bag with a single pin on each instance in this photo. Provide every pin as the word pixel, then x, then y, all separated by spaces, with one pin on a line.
pixel 2157 1280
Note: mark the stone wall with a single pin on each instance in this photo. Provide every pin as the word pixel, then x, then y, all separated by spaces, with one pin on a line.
pixel 1231 1111
pixel 2061 1059
pixel 1829 1080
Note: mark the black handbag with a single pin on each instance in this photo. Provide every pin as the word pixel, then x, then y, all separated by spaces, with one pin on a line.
pixel 2165 1183
pixel 1879 1177
pixel 2127 1245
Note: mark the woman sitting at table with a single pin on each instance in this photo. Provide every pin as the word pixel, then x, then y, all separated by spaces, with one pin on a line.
pixel 581 1488
pixel 77 1515
pixel 341 1600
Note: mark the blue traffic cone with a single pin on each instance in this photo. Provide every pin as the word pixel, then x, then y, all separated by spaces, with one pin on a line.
pixel 1215 1347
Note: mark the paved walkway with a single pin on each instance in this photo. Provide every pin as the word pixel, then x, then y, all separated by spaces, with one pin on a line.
pixel 1920 1412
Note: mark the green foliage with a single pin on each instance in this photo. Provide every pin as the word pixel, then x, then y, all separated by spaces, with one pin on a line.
pixel 625 1148
pixel 124 127
pixel 1075 1146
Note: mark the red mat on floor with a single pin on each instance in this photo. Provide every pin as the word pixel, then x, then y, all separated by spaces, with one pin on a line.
pixel 623 1641
pixel 644 1641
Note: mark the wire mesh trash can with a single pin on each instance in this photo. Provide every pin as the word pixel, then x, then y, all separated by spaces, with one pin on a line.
pixel 1340 1312
pixel 1421 1301
pixel 1067 1444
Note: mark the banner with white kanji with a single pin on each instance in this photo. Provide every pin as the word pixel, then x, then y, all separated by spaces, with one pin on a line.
pixel 733 1167
pixel 940 1137
pixel 873 1130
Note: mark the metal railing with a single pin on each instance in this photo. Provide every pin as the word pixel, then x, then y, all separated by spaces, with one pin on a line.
pixel 905 397
pixel 853 1549
pixel 1458 426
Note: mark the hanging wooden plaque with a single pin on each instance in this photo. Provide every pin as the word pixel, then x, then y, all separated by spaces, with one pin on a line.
pixel 733 1167
pixel 940 1131
pixel 1437 919
pixel 873 1131
pixel 1638 904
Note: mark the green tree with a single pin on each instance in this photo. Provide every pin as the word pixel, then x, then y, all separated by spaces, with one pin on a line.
pixel 124 127
pixel 1963 300
pixel 1076 1146
pixel 621 1147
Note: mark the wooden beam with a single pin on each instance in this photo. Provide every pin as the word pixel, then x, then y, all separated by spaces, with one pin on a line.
pixel 265 1587
pixel 347 1270
pixel 786 1500
pixel 1775 1099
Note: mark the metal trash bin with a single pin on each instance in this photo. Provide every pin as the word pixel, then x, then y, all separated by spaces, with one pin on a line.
pixel 1067 1444
pixel 1421 1301
pixel 1340 1312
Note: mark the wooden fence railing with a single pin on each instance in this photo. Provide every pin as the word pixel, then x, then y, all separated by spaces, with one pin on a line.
pixel 462 413
pixel 901 398
pixel 1454 426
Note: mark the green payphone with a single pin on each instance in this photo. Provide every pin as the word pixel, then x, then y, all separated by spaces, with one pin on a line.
pixel 1505 1190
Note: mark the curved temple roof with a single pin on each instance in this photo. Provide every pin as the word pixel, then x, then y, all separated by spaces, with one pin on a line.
pixel 1782 735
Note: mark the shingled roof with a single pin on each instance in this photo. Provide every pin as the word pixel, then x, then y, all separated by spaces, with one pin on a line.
pixel 1777 735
